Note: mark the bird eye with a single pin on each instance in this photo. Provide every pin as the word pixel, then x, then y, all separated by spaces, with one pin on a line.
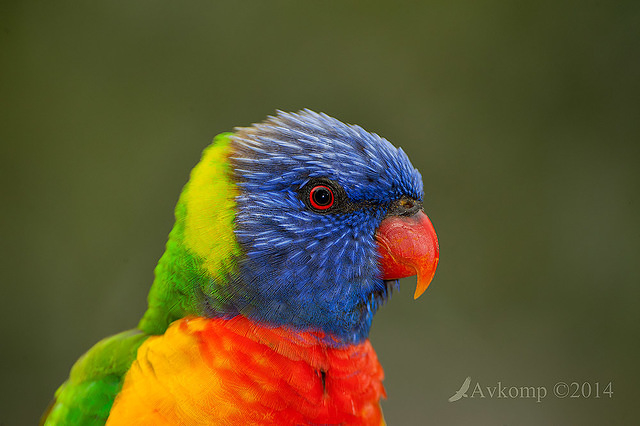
pixel 321 197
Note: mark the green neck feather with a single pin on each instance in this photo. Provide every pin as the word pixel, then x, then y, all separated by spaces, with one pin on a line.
pixel 202 247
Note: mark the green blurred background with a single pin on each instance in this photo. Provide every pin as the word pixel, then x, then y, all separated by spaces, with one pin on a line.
pixel 523 118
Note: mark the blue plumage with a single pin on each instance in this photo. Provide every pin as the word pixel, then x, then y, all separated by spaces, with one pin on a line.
pixel 303 267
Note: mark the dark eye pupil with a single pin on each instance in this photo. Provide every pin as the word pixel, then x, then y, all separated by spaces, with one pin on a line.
pixel 322 196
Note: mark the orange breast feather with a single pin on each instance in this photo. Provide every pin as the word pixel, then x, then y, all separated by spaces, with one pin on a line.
pixel 215 371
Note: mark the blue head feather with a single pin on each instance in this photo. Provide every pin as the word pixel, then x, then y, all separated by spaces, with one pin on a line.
pixel 303 268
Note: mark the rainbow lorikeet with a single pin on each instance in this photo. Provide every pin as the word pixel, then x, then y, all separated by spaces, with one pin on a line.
pixel 288 237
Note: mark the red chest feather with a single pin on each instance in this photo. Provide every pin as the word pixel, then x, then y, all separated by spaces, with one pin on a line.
pixel 214 371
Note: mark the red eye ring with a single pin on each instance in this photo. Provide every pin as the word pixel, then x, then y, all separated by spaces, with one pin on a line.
pixel 321 197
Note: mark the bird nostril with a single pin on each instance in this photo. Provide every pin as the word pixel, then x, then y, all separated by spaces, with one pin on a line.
pixel 404 206
pixel 407 204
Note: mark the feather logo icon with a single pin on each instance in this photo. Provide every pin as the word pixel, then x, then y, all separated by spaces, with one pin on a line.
pixel 462 392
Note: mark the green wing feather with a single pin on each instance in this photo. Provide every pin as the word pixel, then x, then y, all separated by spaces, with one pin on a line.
pixel 95 380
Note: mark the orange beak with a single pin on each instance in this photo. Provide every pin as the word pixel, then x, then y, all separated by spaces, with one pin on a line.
pixel 408 245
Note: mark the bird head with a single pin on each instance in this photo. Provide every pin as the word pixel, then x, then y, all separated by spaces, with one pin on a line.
pixel 299 221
